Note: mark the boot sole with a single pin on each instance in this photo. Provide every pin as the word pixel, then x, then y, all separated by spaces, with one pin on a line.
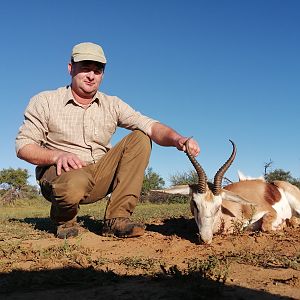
pixel 131 235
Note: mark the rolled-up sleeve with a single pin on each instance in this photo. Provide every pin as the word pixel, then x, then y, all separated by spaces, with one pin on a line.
pixel 34 128
pixel 132 119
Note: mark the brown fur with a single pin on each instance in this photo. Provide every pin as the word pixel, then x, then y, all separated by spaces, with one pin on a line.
pixel 254 191
pixel 272 194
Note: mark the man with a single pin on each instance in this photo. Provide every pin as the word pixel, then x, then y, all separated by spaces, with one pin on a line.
pixel 67 134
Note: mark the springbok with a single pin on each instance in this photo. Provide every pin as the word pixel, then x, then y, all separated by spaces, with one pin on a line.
pixel 254 204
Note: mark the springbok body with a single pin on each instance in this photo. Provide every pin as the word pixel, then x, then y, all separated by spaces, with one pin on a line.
pixel 254 204
pixel 271 203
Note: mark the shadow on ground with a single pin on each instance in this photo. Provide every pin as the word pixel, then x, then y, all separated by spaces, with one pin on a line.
pixel 45 224
pixel 182 227
pixel 72 283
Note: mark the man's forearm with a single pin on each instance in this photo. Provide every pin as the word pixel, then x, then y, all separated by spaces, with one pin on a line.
pixel 164 135
pixel 37 155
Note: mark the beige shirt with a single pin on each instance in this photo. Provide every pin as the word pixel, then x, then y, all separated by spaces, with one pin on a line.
pixel 54 120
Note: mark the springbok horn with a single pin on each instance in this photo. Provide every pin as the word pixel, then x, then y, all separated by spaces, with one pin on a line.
pixel 202 179
pixel 219 175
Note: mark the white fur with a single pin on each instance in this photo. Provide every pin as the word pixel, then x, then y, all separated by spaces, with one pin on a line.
pixel 283 207
pixel 242 176
pixel 294 204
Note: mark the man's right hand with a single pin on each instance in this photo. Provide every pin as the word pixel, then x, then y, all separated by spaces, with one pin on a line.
pixel 67 161
pixel 37 155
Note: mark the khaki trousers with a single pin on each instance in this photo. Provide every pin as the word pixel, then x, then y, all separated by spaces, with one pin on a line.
pixel 120 172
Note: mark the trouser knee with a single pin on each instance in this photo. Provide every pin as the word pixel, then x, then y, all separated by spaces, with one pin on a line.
pixel 70 188
pixel 68 191
pixel 141 142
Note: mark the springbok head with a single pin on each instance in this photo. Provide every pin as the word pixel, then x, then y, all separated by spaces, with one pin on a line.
pixel 206 202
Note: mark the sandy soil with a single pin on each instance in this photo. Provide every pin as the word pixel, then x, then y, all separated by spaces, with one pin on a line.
pixel 165 263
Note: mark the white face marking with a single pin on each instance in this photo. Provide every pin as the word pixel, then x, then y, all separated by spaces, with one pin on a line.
pixel 206 214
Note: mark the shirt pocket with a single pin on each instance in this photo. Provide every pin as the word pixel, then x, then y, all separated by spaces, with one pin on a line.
pixel 103 130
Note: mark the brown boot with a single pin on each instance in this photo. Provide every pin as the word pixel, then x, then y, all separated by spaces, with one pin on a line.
pixel 67 230
pixel 122 227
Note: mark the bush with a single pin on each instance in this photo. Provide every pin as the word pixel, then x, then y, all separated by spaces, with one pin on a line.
pixel 152 181
pixel 160 197
pixel 189 177
pixel 14 184
pixel 280 174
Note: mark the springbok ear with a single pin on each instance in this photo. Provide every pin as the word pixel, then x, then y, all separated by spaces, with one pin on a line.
pixel 230 196
pixel 241 176
pixel 176 189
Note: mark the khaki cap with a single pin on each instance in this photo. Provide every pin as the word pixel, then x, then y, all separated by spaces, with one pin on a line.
pixel 88 51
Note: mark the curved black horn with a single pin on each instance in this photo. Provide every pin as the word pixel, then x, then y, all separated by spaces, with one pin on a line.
pixel 219 175
pixel 202 179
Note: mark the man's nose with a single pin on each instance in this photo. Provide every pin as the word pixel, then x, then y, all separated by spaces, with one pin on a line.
pixel 90 74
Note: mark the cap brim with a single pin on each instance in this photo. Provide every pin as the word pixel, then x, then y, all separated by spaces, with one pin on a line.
pixel 81 57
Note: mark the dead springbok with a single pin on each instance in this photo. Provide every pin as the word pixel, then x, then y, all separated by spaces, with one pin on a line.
pixel 254 204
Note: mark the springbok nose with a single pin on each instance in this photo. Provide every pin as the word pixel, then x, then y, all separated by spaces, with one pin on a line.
pixel 207 242
pixel 206 239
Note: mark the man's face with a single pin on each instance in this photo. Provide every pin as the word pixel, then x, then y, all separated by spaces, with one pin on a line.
pixel 86 77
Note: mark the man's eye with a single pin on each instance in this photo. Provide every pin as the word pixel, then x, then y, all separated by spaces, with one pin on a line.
pixel 87 70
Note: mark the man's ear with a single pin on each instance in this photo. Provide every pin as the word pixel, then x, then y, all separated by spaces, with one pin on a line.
pixel 70 68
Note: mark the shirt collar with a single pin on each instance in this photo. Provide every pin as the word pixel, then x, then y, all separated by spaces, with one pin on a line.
pixel 70 98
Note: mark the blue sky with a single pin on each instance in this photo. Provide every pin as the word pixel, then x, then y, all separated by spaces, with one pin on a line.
pixel 216 70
